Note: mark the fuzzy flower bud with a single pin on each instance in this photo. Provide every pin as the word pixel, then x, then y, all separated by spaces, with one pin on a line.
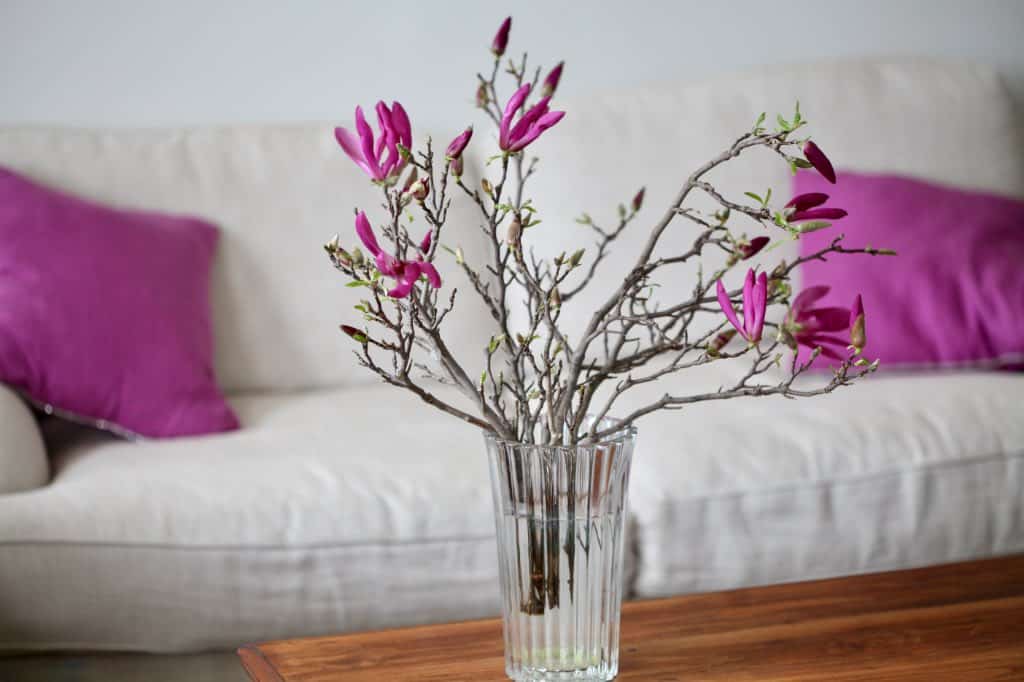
pixel 457 167
pixel 419 189
pixel 551 80
pixel 720 341
pixel 514 234
pixel 481 96
pixel 500 41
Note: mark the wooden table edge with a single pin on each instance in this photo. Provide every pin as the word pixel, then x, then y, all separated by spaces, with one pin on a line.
pixel 256 664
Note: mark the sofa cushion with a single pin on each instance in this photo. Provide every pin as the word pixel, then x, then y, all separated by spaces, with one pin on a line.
pixel 277 193
pixel 329 511
pixel 23 462
pixel 895 471
pixel 105 313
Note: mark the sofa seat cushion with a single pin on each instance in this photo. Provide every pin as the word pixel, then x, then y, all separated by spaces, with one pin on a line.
pixel 893 472
pixel 329 511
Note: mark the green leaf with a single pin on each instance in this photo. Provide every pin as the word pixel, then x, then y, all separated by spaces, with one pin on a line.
pixel 783 123
pixel 358 283
pixel 797 118
pixel 803 163
pixel 483 377
pixel 755 197
pixel 767 197
pixel 584 219
pixel 759 121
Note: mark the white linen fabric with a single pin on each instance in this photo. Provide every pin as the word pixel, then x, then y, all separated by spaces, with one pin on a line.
pixel 342 505
pixel 23 463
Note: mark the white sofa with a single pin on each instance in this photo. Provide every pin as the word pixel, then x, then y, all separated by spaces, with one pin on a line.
pixel 343 504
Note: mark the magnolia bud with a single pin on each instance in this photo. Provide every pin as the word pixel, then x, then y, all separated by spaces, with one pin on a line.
pixel 457 167
pixel 487 186
pixel 751 248
pixel 720 341
pixel 551 80
pixel 555 299
pixel 514 234
pixel 357 256
pixel 356 335
pixel 418 190
pixel 500 41
pixel 481 96
pixel 458 145
pixel 638 200
pixel 858 335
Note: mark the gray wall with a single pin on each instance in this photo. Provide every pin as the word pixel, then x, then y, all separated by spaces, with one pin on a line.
pixel 170 62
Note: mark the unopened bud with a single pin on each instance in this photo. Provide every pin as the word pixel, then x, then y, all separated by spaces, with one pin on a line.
pixel 555 299
pixel 481 96
pixel 460 257
pixel 500 41
pixel 638 200
pixel 720 341
pixel 514 234
pixel 356 335
pixel 456 167
pixel 357 256
pixel 575 259
pixel 419 189
pixel 752 248
pixel 486 185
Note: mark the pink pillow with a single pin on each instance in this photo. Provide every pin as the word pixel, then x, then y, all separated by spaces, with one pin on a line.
pixel 954 294
pixel 104 314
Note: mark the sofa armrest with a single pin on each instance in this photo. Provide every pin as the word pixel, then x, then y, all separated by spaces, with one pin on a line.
pixel 23 461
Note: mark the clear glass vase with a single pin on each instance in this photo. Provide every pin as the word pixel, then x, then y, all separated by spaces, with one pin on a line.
pixel 559 513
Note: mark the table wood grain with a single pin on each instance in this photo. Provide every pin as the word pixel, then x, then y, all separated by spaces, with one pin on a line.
pixel 961 622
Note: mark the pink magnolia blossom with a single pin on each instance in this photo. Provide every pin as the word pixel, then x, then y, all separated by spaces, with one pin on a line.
pixel 500 41
pixel 458 145
pixel 813 327
pixel 514 138
pixel 809 207
pixel 368 151
pixel 817 158
pixel 404 272
pixel 755 302
pixel 551 80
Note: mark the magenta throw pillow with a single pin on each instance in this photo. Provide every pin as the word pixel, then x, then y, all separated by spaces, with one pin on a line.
pixel 104 313
pixel 954 294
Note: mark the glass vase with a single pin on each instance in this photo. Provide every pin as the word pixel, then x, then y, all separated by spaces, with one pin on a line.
pixel 559 513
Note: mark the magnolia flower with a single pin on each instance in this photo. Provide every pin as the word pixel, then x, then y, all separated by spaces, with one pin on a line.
pixel 514 138
pixel 367 152
pixel 551 80
pixel 810 327
pixel 817 158
pixel 755 302
pixel 500 41
pixel 458 145
pixel 858 336
pixel 418 188
pixel 404 272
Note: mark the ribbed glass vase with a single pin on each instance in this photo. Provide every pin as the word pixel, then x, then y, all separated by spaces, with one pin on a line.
pixel 559 513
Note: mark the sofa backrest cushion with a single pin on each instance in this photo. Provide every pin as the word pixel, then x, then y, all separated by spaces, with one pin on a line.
pixel 278 193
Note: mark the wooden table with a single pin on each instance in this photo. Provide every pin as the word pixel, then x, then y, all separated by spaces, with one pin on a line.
pixel 961 622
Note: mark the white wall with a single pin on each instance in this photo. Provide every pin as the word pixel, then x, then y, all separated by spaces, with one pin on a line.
pixel 170 62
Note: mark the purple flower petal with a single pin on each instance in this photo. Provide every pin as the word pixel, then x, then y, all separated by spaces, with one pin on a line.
pixel 458 145
pixel 825 319
pixel 403 128
pixel 802 202
pixel 410 273
pixel 350 145
pixel 748 305
pixel 726 303
pixel 425 242
pixel 817 158
pixel 818 214
pixel 366 235
pixel 430 271
pixel 515 103
pixel 759 306
pixel 809 296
